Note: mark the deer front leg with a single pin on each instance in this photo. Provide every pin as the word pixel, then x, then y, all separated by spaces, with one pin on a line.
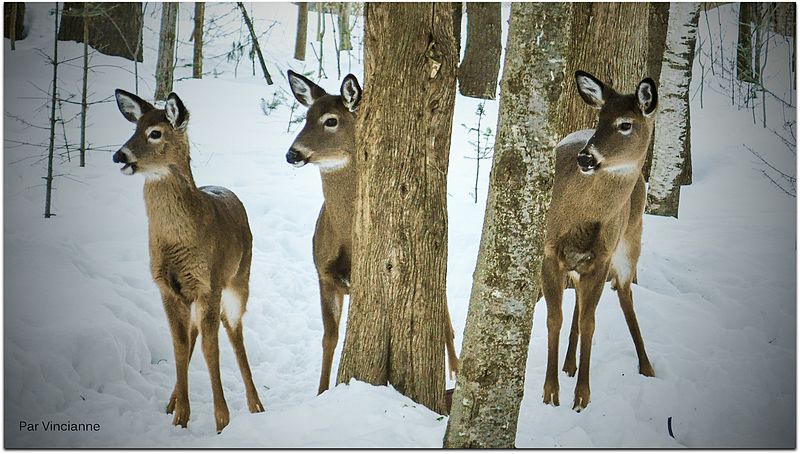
pixel 570 362
pixel 178 318
pixel 331 300
pixel 589 289
pixel 173 399
pixel 208 308
pixel 553 289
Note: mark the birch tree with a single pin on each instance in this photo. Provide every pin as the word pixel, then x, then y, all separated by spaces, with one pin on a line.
pixel 477 75
pixel 672 130
pixel 506 286
pixel 166 50
pixel 397 321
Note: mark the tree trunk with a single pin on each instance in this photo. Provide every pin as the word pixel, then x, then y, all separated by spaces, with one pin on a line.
pixel 458 11
pixel 254 38
pixel 477 75
pixel 672 124
pixel 14 22
pixel 302 32
pixel 85 87
pixel 197 36
pixel 53 99
pixel 506 285
pixel 166 50
pixel 115 28
pixel 344 27
pixel 397 317
pixel 657 30
pixel 605 42
pixel 744 48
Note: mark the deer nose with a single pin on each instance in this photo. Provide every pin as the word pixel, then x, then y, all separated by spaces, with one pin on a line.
pixel 586 160
pixel 120 157
pixel 293 156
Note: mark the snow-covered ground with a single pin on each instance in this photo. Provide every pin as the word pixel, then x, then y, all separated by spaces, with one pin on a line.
pixel 86 340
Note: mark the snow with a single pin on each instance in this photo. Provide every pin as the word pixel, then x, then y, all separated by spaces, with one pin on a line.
pixel 86 339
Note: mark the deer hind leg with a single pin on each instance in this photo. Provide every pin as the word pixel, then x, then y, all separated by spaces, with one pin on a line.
pixel 179 320
pixel 234 302
pixel 624 264
pixel 209 313
pixel 570 361
pixel 589 288
pixel 452 358
pixel 553 289
pixel 331 300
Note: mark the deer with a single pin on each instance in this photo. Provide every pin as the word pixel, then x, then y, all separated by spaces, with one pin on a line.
pixel 328 140
pixel 594 224
pixel 200 249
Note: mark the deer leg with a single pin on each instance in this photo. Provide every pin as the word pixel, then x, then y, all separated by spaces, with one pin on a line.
pixel 589 287
pixel 331 301
pixel 233 326
pixel 553 289
pixel 209 308
pixel 179 321
pixel 452 358
pixel 173 399
pixel 626 302
pixel 570 363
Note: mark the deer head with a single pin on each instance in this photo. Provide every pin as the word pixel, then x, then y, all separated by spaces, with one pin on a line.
pixel 624 125
pixel 159 143
pixel 328 137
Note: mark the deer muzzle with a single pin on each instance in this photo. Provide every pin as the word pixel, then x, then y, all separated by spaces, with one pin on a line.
pixel 587 162
pixel 296 158
pixel 124 156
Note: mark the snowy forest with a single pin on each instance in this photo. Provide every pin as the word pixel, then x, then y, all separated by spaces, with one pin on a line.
pixel 399 225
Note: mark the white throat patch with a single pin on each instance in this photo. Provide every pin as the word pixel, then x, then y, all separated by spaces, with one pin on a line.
pixel 332 165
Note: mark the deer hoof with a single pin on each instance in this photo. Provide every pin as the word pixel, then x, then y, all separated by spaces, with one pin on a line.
pixel 551 395
pixel 581 398
pixel 647 370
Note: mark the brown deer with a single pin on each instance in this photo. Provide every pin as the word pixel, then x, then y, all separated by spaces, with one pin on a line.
pixel 328 140
pixel 594 225
pixel 200 248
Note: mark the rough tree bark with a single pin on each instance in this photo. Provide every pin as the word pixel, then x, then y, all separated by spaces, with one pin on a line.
pixel 657 30
pixel 477 75
pixel 114 29
pixel 744 49
pixel 166 50
pixel 603 42
pixel 505 288
pixel 302 32
pixel 13 20
pixel 397 316
pixel 254 38
pixel 672 125
pixel 197 36
pixel 458 11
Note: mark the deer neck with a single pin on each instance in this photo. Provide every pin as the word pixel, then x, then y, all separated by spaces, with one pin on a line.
pixel 172 200
pixel 339 189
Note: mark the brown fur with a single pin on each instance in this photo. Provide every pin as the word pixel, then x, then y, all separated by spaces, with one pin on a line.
pixel 592 217
pixel 200 245
pixel 333 234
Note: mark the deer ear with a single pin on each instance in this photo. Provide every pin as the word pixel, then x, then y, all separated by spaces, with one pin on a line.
pixel 591 89
pixel 131 106
pixel 176 112
pixel 303 89
pixel 647 96
pixel 351 92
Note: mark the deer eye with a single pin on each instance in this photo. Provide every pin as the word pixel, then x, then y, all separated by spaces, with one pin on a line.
pixel 155 134
pixel 331 122
pixel 625 126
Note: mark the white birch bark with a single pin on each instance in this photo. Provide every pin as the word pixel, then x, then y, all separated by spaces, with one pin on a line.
pixel 672 125
pixel 490 384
